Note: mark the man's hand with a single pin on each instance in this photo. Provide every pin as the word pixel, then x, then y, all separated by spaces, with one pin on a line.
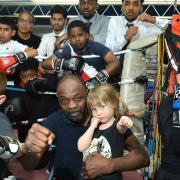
pixel 132 31
pixel 38 139
pixel 60 40
pixel 96 165
pixel 146 18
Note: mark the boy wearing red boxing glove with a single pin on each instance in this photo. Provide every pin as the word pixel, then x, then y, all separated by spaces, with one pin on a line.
pixel 11 52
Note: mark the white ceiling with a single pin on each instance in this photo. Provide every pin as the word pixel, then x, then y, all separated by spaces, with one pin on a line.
pixel 72 2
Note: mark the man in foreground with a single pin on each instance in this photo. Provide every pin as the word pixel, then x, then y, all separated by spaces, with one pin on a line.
pixel 63 128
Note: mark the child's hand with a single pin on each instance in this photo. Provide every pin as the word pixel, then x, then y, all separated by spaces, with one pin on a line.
pixel 124 123
pixel 94 122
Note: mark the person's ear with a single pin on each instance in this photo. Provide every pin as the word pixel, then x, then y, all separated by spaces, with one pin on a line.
pixel 66 21
pixel 13 32
pixel 87 35
pixel 50 20
pixel 2 98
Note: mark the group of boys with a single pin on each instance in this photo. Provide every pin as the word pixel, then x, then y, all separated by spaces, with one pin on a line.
pixel 85 33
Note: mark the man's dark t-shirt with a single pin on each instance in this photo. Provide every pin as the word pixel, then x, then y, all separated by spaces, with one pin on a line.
pixel 67 160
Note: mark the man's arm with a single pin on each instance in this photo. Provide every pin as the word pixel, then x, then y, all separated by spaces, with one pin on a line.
pixel 96 165
pixel 30 52
pixel 37 142
pixel 112 63
pixel 161 23
pixel 112 41
pixel 47 64
pixel 42 49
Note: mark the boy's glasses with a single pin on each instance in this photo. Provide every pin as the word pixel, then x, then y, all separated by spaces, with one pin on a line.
pixel 23 21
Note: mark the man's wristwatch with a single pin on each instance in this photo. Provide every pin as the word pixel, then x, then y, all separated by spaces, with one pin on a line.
pixel 8 147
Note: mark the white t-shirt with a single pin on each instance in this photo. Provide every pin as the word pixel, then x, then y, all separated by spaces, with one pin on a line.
pixel 11 47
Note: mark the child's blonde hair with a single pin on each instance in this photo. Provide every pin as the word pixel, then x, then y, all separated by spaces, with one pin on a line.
pixel 105 93
pixel 3 83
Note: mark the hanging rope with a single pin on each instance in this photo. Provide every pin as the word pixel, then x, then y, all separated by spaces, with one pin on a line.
pixel 158 95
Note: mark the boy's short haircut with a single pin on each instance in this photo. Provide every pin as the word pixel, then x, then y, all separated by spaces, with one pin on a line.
pixel 59 10
pixel 77 23
pixel 3 83
pixel 8 21
pixel 31 64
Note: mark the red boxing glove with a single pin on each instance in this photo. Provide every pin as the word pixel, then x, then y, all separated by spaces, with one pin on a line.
pixel 88 72
pixel 9 61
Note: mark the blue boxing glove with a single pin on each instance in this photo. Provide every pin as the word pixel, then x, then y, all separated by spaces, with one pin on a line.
pixel 176 108
pixel 101 77
pixel 176 98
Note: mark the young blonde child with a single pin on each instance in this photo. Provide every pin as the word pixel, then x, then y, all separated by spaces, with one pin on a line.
pixel 108 127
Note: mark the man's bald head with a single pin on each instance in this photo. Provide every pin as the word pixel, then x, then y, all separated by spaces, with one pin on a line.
pixel 71 77
pixel 71 93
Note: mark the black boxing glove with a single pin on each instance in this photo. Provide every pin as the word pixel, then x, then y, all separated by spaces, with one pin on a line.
pixel 37 85
pixel 8 147
pixel 74 63
pixel 14 108
pixel 101 77
pixel 10 61
pixel 20 57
